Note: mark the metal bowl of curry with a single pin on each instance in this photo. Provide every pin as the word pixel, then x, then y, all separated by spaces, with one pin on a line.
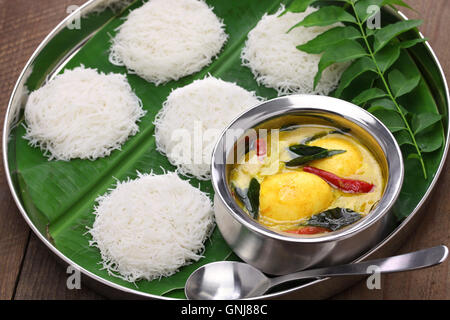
pixel 303 181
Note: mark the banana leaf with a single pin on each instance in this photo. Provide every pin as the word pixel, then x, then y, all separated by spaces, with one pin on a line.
pixel 61 195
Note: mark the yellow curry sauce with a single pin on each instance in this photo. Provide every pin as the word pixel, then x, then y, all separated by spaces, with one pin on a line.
pixel 288 195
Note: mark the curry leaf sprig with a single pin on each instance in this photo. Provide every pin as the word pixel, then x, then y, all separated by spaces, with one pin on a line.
pixel 370 52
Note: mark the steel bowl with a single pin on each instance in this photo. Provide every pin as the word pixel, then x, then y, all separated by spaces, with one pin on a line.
pixel 277 253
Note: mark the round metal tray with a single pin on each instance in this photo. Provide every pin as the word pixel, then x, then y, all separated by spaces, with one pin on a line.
pixel 68 44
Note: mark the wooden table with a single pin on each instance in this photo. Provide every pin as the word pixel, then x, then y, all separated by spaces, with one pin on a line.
pixel 29 271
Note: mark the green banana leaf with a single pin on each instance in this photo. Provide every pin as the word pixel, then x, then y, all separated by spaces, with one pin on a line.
pixel 61 195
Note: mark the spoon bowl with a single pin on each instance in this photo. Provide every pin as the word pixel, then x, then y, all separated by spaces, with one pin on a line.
pixel 228 280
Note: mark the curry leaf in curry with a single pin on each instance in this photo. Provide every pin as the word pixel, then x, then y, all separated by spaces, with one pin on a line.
pixel 371 51
pixel 308 153
pixel 241 194
pixel 314 137
pixel 305 150
pixel 322 134
pixel 334 219
pixel 253 196
pixel 341 130
pixel 249 197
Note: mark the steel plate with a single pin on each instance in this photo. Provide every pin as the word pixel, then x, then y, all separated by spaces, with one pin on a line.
pixel 71 43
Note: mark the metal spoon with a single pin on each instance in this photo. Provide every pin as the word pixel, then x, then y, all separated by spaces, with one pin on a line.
pixel 236 280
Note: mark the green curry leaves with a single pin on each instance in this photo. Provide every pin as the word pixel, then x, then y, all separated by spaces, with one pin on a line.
pixel 330 37
pixel 346 50
pixel 309 153
pixel 325 16
pixel 372 54
pixel 334 219
pixel 389 32
pixel 249 197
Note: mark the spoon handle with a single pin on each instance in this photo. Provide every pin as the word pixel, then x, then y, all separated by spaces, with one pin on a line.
pixel 404 262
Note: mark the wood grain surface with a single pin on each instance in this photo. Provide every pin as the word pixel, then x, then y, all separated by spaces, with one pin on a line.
pixel 28 270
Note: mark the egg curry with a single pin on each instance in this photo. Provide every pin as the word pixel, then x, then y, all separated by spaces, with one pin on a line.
pixel 308 179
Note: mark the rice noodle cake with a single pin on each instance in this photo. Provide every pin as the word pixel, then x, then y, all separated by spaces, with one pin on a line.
pixel 272 55
pixel 192 119
pixel 82 114
pixel 168 39
pixel 149 227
